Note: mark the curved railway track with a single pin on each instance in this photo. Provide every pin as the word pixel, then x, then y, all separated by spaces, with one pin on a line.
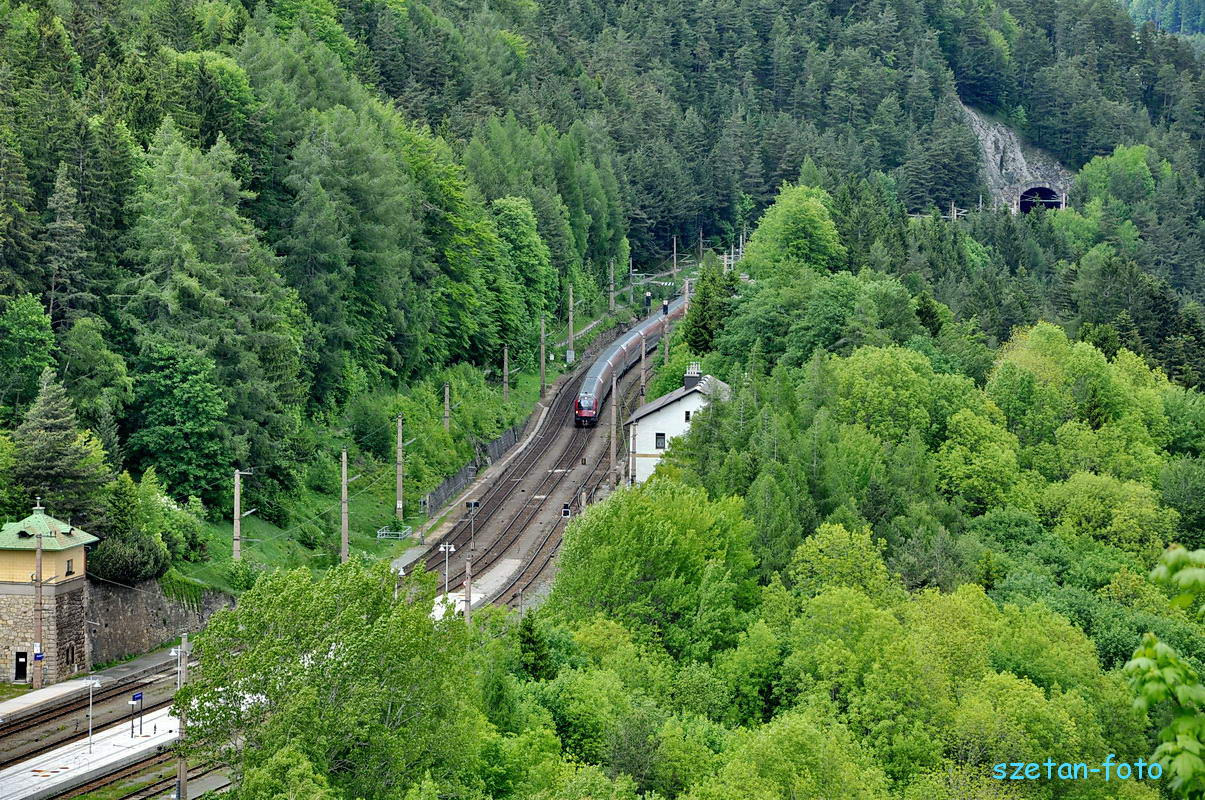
pixel 503 488
pixel 539 562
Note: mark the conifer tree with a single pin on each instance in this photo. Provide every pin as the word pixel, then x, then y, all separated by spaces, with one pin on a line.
pixel 65 262
pixel 18 224
pixel 58 462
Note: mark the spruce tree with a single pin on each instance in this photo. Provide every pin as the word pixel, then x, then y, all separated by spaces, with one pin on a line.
pixel 18 223
pixel 56 461
pixel 65 261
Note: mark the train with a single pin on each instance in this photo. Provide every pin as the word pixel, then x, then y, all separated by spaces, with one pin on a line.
pixel 618 359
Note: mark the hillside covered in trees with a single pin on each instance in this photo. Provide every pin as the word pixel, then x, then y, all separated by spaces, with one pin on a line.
pixel 916 543
pixel 251 218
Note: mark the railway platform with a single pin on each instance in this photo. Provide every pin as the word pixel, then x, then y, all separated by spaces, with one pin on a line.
pixel 33 703
pixel 72 765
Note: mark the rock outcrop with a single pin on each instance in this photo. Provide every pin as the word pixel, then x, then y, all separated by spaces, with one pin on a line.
pixel 1011 167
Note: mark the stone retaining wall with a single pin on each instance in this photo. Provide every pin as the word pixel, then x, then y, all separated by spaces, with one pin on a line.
pixel 136 620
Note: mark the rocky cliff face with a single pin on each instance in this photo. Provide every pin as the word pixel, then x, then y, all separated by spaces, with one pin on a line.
pixel 1010 166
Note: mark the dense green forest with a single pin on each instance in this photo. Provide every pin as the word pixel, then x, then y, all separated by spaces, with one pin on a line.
pixel 916 543
pixel 1177 16
pixel 250 218
pixel 896 562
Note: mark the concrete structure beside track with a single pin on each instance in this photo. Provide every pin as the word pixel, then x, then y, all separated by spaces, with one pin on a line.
pixel 69 766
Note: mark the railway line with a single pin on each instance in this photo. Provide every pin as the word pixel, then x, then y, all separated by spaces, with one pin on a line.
pixel 536 568
pixel 67 722
pixel 551 471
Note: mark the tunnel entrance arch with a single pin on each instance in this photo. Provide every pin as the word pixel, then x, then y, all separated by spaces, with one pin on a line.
pixel 1036 196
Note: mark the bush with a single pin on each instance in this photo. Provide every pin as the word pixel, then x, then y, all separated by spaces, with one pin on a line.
pixel 241 575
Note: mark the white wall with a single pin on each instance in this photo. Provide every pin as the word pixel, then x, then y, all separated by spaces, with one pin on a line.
pixel 670 420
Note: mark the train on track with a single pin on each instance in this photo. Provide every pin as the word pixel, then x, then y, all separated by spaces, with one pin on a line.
pixel 618 359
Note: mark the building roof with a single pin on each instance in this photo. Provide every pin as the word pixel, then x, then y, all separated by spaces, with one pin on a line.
pixel 708 385
pixel 56 535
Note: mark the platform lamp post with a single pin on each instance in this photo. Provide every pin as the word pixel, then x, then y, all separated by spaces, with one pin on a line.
pixel 93 683
pixel 447 549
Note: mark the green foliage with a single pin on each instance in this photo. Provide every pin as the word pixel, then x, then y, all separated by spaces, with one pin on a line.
pixel 1159 675
pixel 662 560
pixel 710 300
pixel 55 460
pixel 285 774
pixel 181 417
pixel 26 343
pixel 340 659
pixel 132 549
pixel 795 235
pixel 834 556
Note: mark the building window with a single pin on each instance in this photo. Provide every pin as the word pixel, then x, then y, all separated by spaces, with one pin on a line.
pixel 660 445
pixel 688 416
pixel 71 566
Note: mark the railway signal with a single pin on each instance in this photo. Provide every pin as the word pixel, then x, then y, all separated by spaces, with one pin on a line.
pixel 472 506
pixel 565 510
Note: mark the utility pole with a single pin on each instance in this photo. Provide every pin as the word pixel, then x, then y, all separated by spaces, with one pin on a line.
pixel 37 605
pixel 447 406
pixel 468 589
pixel 238 515
pixel 700 246
pixel 343 545
pixel 569 352
pixel 505 376
pixel 643 373
pixel 181 761
pixel 614 403
pixel 543 358
pixel 399 510
pixel 665 349
pixel 611 291
pixel 675 254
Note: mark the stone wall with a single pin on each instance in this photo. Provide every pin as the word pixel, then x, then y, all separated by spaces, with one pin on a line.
pixel 16 632
pixel 135 620
pixel 70 653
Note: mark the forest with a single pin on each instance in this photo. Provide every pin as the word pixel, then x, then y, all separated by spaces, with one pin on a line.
pixel 953 515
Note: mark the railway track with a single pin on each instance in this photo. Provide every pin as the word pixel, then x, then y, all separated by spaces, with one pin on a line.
pixel 539 562
pixel 119 775
pixel 505 486
pixel 164 784
pixel 72 705
pixel 25 755
pixel 49 729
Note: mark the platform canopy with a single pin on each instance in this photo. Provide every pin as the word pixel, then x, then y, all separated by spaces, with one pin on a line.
pixel 56 534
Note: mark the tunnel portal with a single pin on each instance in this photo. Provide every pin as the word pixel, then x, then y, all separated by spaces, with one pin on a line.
pixel 1036 196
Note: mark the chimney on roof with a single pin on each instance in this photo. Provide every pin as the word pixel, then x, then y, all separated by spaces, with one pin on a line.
pixel 693 376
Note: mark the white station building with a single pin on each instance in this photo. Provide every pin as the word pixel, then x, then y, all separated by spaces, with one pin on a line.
pixel 653 425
